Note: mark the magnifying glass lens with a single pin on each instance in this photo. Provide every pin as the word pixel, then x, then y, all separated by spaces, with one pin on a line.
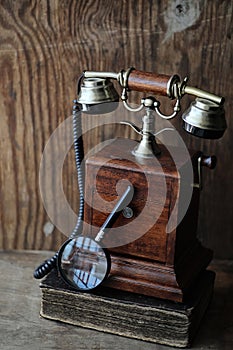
pixel 83 263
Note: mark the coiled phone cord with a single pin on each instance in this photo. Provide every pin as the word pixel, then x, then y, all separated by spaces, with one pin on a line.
pixel 47 266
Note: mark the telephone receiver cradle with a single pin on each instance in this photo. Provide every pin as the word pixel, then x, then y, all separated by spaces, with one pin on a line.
pixel 158 263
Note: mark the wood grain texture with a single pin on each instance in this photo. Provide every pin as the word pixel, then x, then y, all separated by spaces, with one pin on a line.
pixel 148 82
pixel 43 48
pixel 146 258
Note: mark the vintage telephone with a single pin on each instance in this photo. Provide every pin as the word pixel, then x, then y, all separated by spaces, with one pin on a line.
pixel 147 257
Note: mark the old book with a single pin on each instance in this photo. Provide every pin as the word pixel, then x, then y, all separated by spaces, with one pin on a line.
pixel 128 314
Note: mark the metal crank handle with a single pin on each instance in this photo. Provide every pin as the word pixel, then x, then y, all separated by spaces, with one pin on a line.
pixel 209 162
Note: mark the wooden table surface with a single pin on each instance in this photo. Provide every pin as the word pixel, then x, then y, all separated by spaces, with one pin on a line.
pixel 21 327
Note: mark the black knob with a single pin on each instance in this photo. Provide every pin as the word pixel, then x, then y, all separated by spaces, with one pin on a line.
pixel 209 161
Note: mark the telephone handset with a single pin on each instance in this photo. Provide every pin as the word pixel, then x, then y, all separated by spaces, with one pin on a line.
pixel 96 94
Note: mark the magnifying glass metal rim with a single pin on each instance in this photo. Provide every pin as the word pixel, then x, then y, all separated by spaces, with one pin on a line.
pixel 120 205
pixel 68 281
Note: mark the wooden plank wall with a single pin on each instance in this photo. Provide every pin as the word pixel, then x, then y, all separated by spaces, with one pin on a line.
pixel 44 45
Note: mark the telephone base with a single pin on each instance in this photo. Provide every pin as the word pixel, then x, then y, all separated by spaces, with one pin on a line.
pixel 158 280
pixel 146 257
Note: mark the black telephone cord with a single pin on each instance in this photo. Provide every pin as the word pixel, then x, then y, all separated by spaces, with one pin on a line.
pixel 43 269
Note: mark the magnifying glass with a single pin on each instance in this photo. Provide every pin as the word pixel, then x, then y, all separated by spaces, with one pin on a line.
pixel 82 262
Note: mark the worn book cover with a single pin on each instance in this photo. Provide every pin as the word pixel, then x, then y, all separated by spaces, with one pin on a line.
pixel 128 314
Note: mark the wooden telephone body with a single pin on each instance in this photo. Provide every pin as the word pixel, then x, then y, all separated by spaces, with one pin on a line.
pixel 158 263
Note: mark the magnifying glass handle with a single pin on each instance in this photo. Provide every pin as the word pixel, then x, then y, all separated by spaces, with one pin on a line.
pixel 120 205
